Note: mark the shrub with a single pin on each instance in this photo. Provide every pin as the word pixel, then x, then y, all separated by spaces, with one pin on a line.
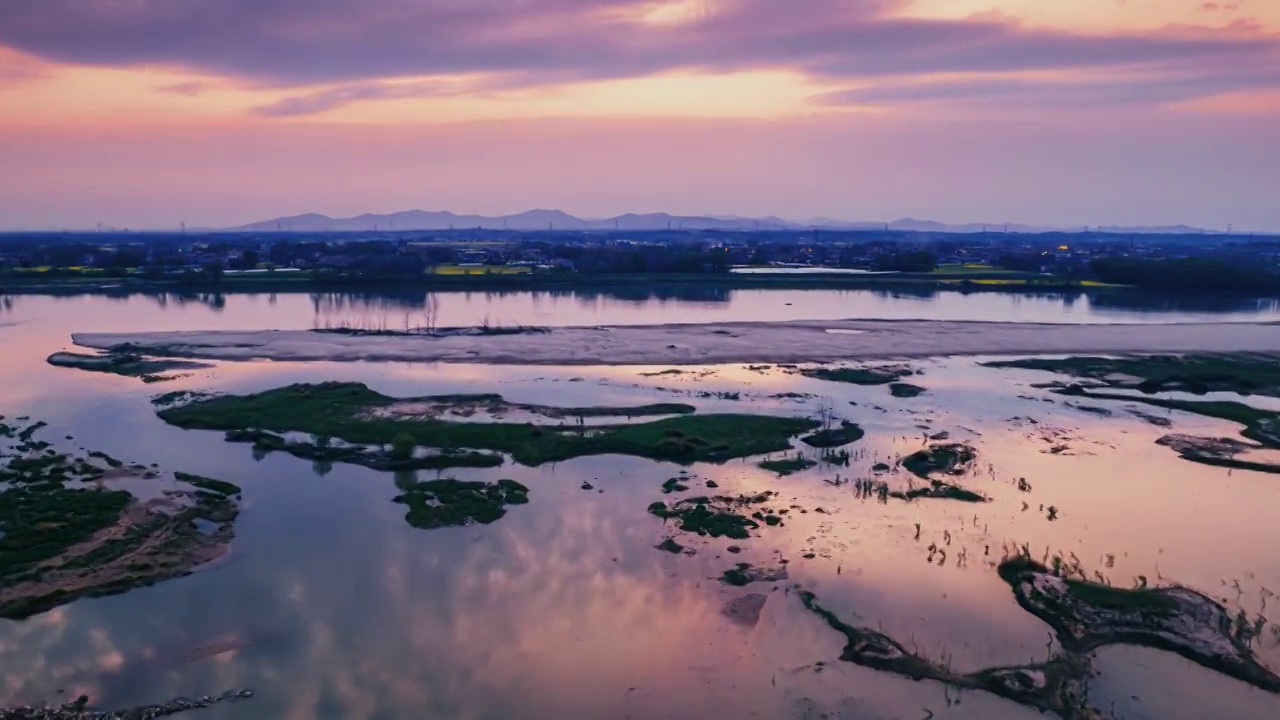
pixel 402 446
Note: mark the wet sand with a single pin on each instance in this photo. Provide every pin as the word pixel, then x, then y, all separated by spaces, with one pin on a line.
pixel 766 342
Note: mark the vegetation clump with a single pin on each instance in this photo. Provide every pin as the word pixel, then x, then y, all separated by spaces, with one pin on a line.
pixel 831 437
pixel 939 490
pixel 905 390
pixel 672 485
pixel 788 465
pixel 402 447
pixel 714 516
pixel 448 502
pixel 745 573
pixel 860 376
pixel 948 459
pixel 357 415
pixel 671 546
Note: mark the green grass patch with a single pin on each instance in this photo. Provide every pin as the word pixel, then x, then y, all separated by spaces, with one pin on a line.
pixel 40 522
pixel 787 466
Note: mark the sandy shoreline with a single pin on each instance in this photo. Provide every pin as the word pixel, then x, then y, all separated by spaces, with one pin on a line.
pixel 765 342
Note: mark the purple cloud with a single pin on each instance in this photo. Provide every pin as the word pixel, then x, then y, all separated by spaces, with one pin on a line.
pixel 363 43
pixel 1055 93
pixel 346 94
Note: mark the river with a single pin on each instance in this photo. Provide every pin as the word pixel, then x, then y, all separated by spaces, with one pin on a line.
pixel 332 606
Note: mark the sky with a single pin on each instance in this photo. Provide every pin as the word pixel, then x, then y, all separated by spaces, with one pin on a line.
pixel 145 114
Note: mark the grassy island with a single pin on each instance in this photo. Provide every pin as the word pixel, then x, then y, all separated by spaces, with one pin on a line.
pixel 357 415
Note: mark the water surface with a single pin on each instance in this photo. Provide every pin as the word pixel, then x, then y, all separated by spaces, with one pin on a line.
pixel 332 606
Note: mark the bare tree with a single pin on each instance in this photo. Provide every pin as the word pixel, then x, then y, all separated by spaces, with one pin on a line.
pixel 430 313
pixel 826 413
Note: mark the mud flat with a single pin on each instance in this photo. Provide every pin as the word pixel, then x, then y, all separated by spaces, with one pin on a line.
pixel 755 342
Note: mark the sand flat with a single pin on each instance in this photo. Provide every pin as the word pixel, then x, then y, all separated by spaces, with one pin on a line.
pixel 753 342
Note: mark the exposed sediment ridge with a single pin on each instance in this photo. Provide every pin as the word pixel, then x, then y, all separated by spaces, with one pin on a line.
pixel 751 342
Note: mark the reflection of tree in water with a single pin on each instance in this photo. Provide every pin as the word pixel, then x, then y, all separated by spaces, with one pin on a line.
pixel 215 301
pixel 1200 303
pixel 390 310
pixel 641 294
pixel 380 301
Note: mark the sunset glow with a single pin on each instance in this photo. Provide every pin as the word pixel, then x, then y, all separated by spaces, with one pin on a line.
pixel 395 94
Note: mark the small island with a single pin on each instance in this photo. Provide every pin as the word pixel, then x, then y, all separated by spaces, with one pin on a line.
pixel 66 531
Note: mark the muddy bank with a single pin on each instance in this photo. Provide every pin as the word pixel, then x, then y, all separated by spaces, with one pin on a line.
pixel 1222 452
pixel 126 364
pixel 1087 615
pixel 1084 616
pixel 78 710
pixel 755 342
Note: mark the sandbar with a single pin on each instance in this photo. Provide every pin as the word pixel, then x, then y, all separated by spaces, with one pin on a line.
pixel 702 344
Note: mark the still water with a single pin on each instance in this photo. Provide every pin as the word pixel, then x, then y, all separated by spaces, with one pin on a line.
pixel 332 606
pixel 620 306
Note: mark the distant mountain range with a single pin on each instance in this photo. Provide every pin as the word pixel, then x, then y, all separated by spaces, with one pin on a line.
pixel 560 220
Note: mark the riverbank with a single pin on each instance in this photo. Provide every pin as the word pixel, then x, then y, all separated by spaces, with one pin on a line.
pixel 747 342
pixel 974 281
